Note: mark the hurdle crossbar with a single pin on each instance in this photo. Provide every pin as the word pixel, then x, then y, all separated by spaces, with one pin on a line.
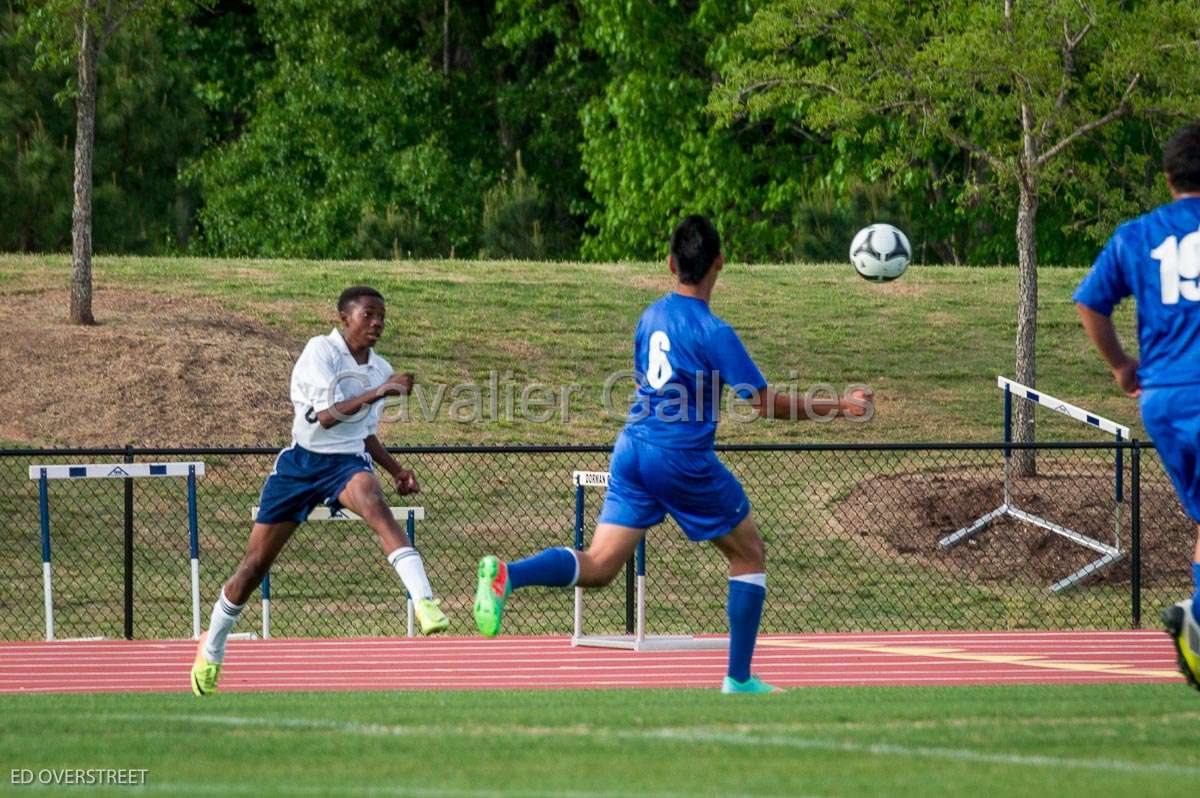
pixel 410 515
pixel 1066 408
pixel 44 473
pixel 1110 555
pixel 637 640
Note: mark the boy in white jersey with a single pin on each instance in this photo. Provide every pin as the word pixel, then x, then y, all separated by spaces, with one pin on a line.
pixel 337 384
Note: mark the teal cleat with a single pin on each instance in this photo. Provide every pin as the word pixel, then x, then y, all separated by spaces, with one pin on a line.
pixel 752 686
pixel 490 595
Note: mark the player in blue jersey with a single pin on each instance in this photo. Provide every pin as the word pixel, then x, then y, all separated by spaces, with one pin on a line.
pixel 1156 259
pixel 663 462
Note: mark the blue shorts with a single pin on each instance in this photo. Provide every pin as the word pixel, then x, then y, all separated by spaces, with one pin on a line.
pixel 646 482
pixel 1174 425
pixel 302 479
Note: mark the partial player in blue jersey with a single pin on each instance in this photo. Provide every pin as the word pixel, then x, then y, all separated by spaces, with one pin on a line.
pixel 663 462
pixel 1156 259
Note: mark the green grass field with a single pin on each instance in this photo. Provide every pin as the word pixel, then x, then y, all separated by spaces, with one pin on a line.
pixel 930 343
pixel 1116 740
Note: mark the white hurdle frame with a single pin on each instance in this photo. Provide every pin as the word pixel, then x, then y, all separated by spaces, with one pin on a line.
pixel 410 515
pixel 44 473
pixel 639 640
pixel 1110 555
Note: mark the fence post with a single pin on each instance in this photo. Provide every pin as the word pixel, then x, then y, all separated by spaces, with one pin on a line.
pixel 410 610
pixel 194 550
pixel 128 547
pixel 1135 535
pixel 639 562
pixel 630 594
pixel 47 581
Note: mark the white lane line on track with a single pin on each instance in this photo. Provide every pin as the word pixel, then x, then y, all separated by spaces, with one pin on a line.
pixel 891 663
pixel 809 658
pixel 768 647
pixel 300 670
pixel 676 735
pixel 632 681
pixel 1073 638
pixel 370 791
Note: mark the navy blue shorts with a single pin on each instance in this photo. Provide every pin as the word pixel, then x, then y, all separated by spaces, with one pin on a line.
pixel 646 482
pixel 1174 425
pixel 302 479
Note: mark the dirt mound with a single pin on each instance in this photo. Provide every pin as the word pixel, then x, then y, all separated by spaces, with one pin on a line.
pixel 159 370
pixel 905 515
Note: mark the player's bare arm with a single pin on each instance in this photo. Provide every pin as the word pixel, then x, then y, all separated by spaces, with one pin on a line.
pixel 396 385
pixel 1103 333
pixel 772 404
pixel 404 478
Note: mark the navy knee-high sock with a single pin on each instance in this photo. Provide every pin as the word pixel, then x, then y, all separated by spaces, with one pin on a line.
pixel 745 611
pixel 549 567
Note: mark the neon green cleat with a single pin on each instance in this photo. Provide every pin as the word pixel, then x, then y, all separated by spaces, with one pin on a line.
pixel 430 617
pixel 490 595
pixel 752 686
pixel 205 673
pixel 1185 634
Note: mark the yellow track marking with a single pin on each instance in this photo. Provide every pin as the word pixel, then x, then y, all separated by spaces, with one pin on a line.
pixel 1028 660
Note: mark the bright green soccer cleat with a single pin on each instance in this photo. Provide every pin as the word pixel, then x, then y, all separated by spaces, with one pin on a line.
pixel 752 686
pixel 204 672
pixel 430 617
pixel 1185 634
pixel 490 595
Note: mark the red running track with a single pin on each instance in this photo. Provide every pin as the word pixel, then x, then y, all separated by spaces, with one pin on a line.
pixel 892 658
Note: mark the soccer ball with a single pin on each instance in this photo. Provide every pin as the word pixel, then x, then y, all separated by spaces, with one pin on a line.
pixel 880 253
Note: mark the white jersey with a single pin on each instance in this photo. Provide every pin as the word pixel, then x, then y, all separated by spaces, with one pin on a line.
pixel 325 374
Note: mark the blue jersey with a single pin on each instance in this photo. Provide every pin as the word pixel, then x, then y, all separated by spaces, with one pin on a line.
pixel 1156 259
pixel 683 356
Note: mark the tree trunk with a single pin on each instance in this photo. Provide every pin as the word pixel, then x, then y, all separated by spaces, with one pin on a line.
pixel 1027 300
pixel 85 140
pixel 445 38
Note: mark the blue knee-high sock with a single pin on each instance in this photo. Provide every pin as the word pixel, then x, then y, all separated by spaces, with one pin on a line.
pixel 549 567
pixel 1196 595
pixel 745 611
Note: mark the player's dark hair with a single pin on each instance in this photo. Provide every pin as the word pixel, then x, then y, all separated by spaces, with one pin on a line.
pixel 1181 158
pixel 354 294
pixel 695 246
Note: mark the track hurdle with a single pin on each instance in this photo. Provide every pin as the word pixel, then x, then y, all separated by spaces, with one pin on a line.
pixel 127 471
pixel 636 638
pixel 1110 555
pixel 410 516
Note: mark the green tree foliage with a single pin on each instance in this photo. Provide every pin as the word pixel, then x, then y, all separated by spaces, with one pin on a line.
pixel 147 121
pixel 1021 87
pixel 513 213
pixel 1103 79
pixel 379 131
pixel 651 151
pixel 546 74
pixel 352 129
pixel 229 58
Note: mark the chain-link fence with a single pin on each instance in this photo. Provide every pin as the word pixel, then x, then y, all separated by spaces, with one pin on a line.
pixel 852 536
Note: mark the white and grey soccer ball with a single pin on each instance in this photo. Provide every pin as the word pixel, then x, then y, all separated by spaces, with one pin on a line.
pixel 880 253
